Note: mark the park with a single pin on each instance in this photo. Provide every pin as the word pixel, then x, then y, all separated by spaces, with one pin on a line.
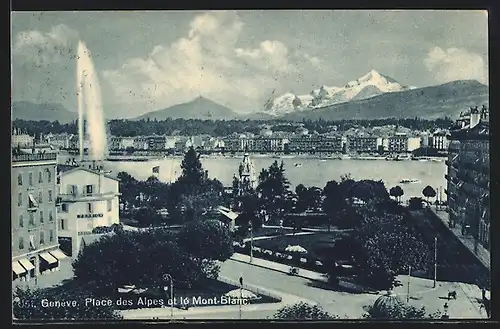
pixel 364 237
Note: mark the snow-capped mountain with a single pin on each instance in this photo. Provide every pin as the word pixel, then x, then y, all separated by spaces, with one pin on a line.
pixel 370 85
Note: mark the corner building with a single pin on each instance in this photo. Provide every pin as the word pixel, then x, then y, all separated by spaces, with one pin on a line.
pixel 35 246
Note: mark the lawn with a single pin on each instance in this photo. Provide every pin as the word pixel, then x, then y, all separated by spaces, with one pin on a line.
pixel 267 231
pixel 210 295
pixel 307 241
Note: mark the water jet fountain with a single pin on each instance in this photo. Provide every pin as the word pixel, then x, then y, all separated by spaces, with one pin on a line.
pixel 91 122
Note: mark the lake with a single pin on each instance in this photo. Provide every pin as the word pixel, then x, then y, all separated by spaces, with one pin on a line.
pixel 309 171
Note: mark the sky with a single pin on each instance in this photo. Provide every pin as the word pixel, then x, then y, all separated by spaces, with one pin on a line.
pixel 152 60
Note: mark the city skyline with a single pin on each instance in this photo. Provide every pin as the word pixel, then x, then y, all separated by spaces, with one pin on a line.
pixel 151 60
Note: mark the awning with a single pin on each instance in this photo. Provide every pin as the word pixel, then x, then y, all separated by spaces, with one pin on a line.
pixel 17 268
pixel 27 264
pixel 58 254
pixel 33 200
pixel 48 257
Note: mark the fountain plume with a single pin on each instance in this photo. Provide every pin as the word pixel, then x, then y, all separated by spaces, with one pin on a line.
pixel 90 106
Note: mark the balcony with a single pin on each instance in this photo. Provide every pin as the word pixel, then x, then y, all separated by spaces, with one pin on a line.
pixel 86 196
pixel 34 157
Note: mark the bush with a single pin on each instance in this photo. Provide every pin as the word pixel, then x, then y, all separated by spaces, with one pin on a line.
pixel 415 203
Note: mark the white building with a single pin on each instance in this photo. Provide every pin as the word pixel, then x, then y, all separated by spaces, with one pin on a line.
pixel 414 143
pixel 88 198
pixel 127 142
pixel 21 140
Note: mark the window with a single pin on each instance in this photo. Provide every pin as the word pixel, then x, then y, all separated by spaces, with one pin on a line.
pixel 32 202
pixel 72 189
pixel 51 217
pixel 21 221
pixel 30 179
pixel 40 197
pixel 88 189
pixel 41 217
pixel 62 225
pixel 32 219
pixel 42 237
pixel 49 176
pixel 50 196
pixel 89 207
pixel 64 207
pixel 40 177
pixel 20 180
pixel 19 199
pixel 21 243
pixel 51 236
pixel 110 205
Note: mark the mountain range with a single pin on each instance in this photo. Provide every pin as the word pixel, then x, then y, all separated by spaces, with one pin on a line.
pixel 369 85
pixel 45 111
pixel 199 108
pixel 433 102
pixel 370 97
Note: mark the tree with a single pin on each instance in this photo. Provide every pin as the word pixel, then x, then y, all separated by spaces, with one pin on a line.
pixel 28 304
pixel 138 258
pixel 207 239
pixel 193 176
pixel 415 203
pixel 428 192
pixel 333 203
pixel 396 192
pixel 389 246
pixel 302 202
pixel 272 189
pixel 129 189
pixel 250 206
pixel 303 311
pixel 146 216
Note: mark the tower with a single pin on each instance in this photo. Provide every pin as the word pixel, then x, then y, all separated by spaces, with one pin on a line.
pixel 246 175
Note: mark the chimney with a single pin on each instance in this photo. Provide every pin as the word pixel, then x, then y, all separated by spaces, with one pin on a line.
pixel 475 117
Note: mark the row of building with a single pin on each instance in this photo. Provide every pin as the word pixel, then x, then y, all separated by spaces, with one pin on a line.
pixel 468 176
pixel 53 209
pixel 297 143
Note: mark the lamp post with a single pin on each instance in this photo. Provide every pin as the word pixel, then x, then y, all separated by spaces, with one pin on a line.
pixel 241 293
pixel 251 241
pixel 408 291
pixel 168 277
pixel 435 261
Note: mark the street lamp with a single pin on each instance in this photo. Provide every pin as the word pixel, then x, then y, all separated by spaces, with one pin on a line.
pixel 251 241
pixel 168 277
pixel 435 261
pixel 241 293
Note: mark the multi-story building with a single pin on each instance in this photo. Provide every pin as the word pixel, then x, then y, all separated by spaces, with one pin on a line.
pixel 21 140
pixel 363 143
pixel 59 140
pixel 315 143
pixel 240 143
pixel 141 143
pixel 468 176
pixel 115 143
pixel 413 143
pixel 397 143
pixel 88 198
pixel 268 144
pixel 35 246
pixel 127 142
pixel 156 143
pixel 439 141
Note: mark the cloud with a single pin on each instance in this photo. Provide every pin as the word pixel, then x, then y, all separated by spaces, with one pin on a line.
pixel 208 62
pixel 41 49
pixel 456 64
pixel 42 65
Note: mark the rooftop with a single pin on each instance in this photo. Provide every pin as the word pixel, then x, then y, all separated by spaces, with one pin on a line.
pixel 34 157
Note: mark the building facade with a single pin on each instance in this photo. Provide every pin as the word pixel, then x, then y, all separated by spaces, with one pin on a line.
pixel 468 176
pixel 315 143
pixel 397 143
pixel 35 246
pixel 21 140
pixel 439 141
pixel 88 198
pixel 363 144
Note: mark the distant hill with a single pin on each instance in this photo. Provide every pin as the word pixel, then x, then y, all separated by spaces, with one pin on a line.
pixel 38 112
pixel 433 102
pixel 198 108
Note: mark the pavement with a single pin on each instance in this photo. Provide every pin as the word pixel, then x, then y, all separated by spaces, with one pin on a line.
pixel 481 253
